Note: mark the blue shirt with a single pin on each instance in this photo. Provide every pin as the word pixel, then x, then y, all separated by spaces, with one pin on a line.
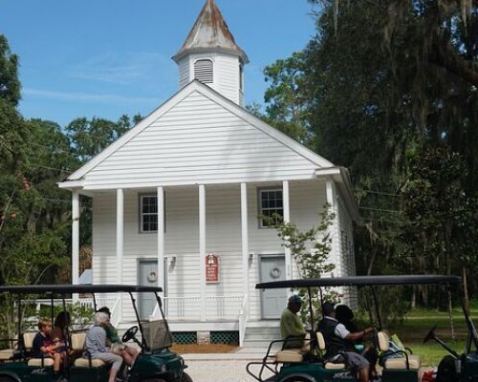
pixel 95 341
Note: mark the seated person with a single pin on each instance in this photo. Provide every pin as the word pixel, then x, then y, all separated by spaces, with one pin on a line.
pixel 59 333
pixel 290 324
pixel 128 353
pixel 95 344
pixel 345 316
pixel 339 343
pixel 43 347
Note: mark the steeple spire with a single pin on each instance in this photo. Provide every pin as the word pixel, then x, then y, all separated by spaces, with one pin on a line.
pixel 210 55
pixel 210 31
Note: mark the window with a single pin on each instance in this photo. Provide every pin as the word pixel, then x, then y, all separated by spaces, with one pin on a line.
pixel 148 221
pixel 203 71
pixel 270 204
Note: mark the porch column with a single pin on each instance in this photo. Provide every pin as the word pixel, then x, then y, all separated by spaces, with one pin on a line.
pixel 202 249
pixel 286 205
pixel 245 238
pixel 161 237
pixel 119 245
pixel 75 237
pixel 331 195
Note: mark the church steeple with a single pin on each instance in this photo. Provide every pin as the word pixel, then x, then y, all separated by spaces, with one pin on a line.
pixel 211 55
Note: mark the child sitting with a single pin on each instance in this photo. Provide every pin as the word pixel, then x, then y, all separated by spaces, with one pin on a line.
pixel 43 347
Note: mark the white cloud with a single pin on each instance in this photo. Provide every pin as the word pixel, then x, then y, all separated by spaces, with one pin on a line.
pixel 89 98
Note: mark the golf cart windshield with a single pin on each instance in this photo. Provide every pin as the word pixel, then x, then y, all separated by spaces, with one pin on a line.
pixel 157 334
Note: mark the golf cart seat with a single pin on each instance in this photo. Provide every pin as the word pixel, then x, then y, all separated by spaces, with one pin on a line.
pixel 78 344
pixel 397 363
pixel 6 354
pixel 37 362
pixel 294 355
pixel 321 346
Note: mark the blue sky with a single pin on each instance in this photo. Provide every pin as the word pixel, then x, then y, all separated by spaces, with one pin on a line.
pixel 106 58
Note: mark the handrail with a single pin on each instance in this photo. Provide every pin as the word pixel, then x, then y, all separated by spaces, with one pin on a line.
pixel 115 318
pixel 243 317
pixel 189 307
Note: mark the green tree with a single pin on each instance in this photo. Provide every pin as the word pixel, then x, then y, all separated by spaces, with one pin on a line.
pixel 382 82
pixel 89 137
pixel 310 250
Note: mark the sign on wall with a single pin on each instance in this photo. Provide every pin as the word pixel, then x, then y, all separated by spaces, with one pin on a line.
pixel 212 269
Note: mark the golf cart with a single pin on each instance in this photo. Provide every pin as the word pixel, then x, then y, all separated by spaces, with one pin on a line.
pixel 155 363
pixel 308 364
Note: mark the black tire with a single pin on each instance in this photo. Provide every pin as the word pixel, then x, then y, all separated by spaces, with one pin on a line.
pixel 298 379
pixel 446 370
pixel 151 380
pixel 185 378
pixel 6 379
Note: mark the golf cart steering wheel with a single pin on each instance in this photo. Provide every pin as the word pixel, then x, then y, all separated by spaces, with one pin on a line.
pixel 130 334
pixel 430 335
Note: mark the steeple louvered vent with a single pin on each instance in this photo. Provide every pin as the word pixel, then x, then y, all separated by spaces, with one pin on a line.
pixel 203 71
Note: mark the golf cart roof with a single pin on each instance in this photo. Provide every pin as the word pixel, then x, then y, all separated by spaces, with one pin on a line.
pixel 65 289
pixel 361 281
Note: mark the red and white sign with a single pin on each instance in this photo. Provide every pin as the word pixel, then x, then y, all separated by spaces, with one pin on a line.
pixel 212 269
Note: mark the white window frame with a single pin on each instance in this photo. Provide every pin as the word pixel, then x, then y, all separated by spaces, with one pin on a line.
pixel 141 213
pixel 261 209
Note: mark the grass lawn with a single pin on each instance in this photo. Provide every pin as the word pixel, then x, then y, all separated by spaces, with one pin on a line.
pixel 419 322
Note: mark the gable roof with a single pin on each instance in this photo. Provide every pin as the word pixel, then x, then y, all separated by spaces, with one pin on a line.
pixel 195 86
pixel 210 31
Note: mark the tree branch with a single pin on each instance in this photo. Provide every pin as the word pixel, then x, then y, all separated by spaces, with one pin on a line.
pixel 445 56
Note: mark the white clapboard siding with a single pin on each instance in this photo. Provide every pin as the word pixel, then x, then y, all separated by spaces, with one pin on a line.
pixel 223 235
pixel 198 141
pixel 184 72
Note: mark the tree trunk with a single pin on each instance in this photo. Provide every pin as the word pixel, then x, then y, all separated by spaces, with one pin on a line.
pixel 466 300
pixel 450 315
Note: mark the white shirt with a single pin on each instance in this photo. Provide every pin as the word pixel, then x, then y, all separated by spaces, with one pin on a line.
pixel 340 330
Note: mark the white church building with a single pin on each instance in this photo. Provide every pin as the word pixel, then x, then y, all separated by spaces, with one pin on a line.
pixel 178 200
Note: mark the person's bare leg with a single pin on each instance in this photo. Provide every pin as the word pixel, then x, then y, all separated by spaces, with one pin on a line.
pixel 127 357
pixel 56 362
pixel 113 374
pixel 132 352
pixel 363 374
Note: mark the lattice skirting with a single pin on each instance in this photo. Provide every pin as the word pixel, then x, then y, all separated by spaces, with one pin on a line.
pixel 185 338
pixel 225 338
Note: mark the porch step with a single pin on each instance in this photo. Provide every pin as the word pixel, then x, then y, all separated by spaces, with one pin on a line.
pixel 261 336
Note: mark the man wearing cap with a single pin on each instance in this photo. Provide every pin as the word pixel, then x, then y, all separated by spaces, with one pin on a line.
pixel 339 343
pixel 290 325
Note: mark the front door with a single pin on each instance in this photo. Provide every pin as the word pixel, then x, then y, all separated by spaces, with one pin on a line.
pixel 148 276
pixel 274 301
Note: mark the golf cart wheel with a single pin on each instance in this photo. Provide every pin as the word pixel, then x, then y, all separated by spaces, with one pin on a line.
pixel 6 379
pixel 151 380
pixel 185 378
pixel 298 378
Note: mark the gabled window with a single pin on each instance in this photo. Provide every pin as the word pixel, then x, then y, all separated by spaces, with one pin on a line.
pixel 203 71
pixel 148 213
pixel 270 204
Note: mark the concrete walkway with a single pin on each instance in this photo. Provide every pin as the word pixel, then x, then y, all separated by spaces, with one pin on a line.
pixel 216 370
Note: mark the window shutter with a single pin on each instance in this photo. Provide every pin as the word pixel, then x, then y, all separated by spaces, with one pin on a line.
pixel 203 71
